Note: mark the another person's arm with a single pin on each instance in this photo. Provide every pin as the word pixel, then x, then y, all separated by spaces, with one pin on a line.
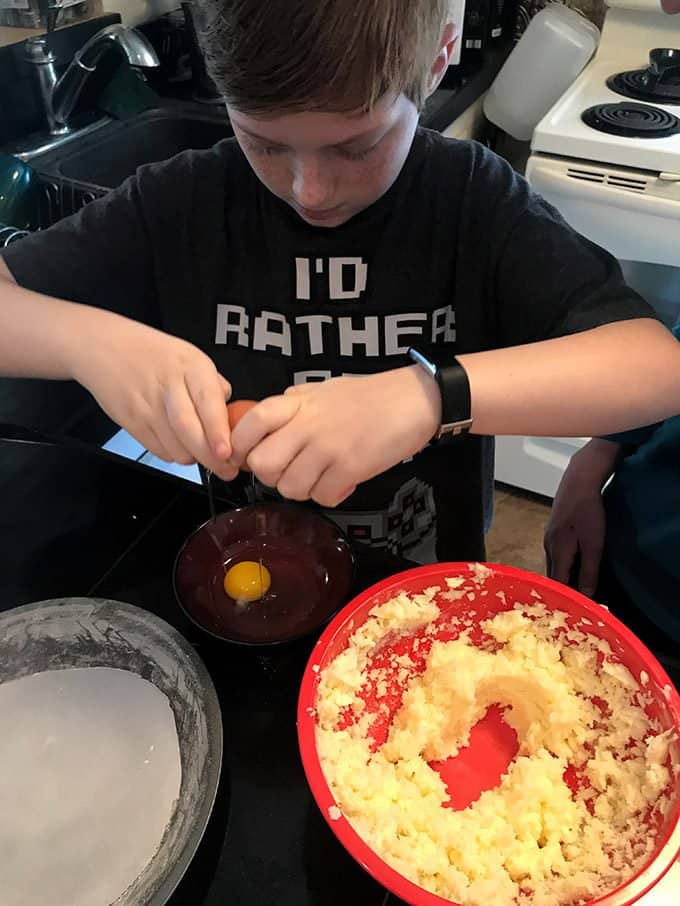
pixel 577 524
pixel 576 528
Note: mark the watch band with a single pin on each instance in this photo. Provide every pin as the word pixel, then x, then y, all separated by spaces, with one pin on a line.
pixel 454 388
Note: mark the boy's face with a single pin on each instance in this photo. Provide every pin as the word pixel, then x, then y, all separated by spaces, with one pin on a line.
pixel 328 166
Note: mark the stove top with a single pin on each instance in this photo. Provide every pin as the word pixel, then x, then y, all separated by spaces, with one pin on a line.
pixel 635 84
pixel 631 120
pixel 590 122
pixel 659 81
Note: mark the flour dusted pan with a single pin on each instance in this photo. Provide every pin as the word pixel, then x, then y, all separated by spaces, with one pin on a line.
pixel 110 754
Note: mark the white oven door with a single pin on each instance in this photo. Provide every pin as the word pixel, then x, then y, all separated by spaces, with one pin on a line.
pixel 534 463
pixel 634 214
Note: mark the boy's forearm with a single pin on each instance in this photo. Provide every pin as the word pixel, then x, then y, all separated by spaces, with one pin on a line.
pixel 601 381
pixel 39 335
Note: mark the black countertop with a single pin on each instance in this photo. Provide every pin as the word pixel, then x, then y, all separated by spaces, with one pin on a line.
pixel 82 523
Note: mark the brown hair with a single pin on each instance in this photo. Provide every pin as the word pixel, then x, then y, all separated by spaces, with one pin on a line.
pixel 340 55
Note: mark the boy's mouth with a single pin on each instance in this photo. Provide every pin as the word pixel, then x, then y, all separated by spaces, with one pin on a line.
pixel 319 216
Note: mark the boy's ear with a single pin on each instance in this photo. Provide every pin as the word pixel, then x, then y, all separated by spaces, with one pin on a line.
pixel 443 58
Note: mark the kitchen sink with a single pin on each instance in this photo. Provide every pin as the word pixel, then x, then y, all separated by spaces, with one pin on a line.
pixel 103 158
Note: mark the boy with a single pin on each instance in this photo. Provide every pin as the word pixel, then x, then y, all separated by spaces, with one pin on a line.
pixel 326 240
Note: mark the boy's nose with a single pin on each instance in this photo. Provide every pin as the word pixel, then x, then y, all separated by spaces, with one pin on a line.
pixel 312 185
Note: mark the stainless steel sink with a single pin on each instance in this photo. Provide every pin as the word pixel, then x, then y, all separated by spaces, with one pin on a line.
pixel 105 157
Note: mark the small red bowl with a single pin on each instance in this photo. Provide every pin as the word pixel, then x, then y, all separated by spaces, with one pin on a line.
pixel 517 586
pixel 309 558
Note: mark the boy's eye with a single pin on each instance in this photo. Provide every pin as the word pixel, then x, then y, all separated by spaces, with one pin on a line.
pixel 260 148
pixel 357 155
pixel 269 149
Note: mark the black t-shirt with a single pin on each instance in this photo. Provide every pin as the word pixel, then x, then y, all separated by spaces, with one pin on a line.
pixel 458 253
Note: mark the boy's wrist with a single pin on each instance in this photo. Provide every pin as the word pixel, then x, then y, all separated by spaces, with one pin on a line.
pixel 428 405
pixel 83 332
pixel 451 380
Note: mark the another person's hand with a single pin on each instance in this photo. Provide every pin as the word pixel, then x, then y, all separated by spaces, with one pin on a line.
pixel 164 391
pixel 320 440
pixel 577 523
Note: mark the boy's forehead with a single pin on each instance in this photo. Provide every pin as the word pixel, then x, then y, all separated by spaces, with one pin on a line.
pixel 318 127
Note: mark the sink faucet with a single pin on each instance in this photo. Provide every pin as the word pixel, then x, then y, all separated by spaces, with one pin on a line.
pixel 60 96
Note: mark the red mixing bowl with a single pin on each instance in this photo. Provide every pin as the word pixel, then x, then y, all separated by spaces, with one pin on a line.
pixel 489 750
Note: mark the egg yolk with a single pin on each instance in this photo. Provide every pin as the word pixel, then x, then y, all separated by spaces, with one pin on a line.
pixel 247 581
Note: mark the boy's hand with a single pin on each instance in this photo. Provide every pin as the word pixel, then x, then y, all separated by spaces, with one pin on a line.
pixel 320 440
pixel 164 391
pixel 577 522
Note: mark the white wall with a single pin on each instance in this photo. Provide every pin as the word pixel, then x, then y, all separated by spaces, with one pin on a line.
pixel 135 11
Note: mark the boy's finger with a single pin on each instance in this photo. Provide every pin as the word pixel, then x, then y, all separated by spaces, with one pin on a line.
pixel 274 455
pixel 226 387
pixel 209 398
pixel 151 442
pixel 265 418
pixel 302 474
pixel 185 425
pixel 296 388
pixel 332 488
pixel 174 445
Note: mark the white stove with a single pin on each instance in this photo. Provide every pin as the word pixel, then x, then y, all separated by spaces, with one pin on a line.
pixel 621 191
pixel 563 131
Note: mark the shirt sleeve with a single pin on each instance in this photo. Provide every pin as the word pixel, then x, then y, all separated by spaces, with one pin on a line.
pixel 101 256
pixel 546 279
pixel 635 438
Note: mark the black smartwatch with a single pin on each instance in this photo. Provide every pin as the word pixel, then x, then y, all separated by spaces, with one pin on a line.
pixel 454 388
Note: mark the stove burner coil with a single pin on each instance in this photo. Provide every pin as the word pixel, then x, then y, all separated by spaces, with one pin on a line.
pixel 631 120
pixel 635 84
pixel 659 82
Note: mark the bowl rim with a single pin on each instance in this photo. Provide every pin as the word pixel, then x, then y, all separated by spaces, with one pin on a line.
pixel 624 895
pixel 274 642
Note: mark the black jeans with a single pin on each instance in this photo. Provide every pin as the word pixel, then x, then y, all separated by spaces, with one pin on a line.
pixel 610 592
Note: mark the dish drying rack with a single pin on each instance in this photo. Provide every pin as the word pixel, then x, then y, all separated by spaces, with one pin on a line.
pixel 56 199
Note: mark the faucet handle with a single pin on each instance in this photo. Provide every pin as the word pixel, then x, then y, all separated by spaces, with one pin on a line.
pixel 49 13
pixel 54 7
pixel 37 50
